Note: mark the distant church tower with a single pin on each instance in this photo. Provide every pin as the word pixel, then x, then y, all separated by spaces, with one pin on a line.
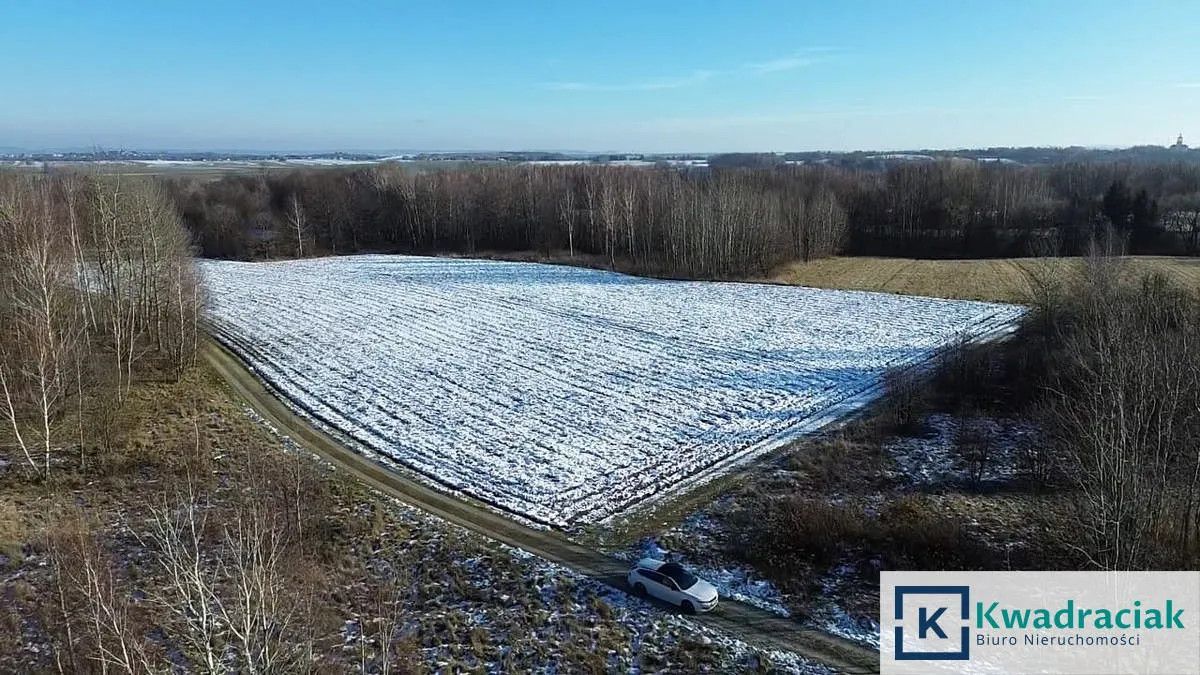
pixel 1179 145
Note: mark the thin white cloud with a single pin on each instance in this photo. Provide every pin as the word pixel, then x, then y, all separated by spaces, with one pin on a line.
pixel 694 78
pixel 1187 85
pixel 781 65
pixel 800 58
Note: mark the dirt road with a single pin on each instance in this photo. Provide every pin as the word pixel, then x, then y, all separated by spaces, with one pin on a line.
pixel 742 621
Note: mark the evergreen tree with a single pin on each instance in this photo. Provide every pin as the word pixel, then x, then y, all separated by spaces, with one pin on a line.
pixel 1118 205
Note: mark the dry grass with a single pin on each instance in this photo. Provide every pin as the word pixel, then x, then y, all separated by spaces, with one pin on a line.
pixel 14 528
pixel 1001 280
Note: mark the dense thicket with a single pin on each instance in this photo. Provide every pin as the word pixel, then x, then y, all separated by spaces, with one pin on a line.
pixel 1107 363
pixel 1121 379
pixel 96 280
pixel 703 224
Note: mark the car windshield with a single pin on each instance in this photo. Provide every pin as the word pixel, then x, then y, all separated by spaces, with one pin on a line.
pixel 681 576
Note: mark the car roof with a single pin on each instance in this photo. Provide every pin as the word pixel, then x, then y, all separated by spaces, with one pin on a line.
pixel 649 564
pixel 671 567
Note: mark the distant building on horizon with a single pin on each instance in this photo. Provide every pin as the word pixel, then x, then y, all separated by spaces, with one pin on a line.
pixel 1179 144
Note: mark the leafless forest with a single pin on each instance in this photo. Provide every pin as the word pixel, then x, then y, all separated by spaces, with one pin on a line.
pixel 98 284
pixel 1122 364
pixel 723 223
pixel 149 524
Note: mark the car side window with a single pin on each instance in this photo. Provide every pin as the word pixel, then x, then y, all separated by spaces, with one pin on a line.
pixel 652 576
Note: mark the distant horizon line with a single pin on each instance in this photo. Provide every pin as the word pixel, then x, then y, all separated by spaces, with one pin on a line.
pixel 147 150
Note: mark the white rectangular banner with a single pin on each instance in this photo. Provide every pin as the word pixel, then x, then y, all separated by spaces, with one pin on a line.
pixel 1076 623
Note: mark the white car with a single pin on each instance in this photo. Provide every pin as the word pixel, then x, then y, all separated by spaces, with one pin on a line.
pixel 670 582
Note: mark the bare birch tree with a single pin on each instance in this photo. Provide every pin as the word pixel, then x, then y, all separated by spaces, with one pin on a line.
pixel 115 275
pixel 40 320
pixel 566 215
pixel 191 594
pixel 260 612
pixel 298 221
pixel 100 626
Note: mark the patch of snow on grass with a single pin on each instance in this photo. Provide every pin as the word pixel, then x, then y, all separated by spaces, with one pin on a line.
pixel 933 458
pixel 834 617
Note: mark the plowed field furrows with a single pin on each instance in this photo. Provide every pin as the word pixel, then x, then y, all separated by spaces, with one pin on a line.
pixel 563 394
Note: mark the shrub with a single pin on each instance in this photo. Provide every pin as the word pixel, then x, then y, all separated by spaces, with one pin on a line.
pixel 973 445
pixel 966 372
pixel 913 535
pixel 790 539
pixel 14 531
pixel 791 535
pixel 904 395
pixel 850 463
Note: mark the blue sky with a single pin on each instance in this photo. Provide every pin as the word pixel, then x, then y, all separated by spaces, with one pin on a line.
pixel 575 75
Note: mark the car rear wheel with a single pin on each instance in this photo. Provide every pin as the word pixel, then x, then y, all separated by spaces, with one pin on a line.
pixel 640 589
pixel 687 607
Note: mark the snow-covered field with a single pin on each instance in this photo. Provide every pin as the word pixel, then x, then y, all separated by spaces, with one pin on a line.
pixel 563 394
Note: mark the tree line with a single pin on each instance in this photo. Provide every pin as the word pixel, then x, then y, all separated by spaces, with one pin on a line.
pixel 728 224
pixel 97 285
pixel 719 223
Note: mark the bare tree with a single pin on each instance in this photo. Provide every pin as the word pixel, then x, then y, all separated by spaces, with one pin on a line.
pixel 117 276
pixel 1123 412
pixel 826 225
pixel 232 589
pixel 91 595
pixel 608 221
pixel 389 597
pixel 566 215
pixel 260 611
pixel 191 588
pixel 298 221
pixel 41 322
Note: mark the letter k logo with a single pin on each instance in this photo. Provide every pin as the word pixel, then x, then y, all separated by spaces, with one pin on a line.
pixel 925 623
pixel 939 611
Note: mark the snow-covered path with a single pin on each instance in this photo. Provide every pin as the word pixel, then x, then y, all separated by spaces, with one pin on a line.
pixel 561 393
